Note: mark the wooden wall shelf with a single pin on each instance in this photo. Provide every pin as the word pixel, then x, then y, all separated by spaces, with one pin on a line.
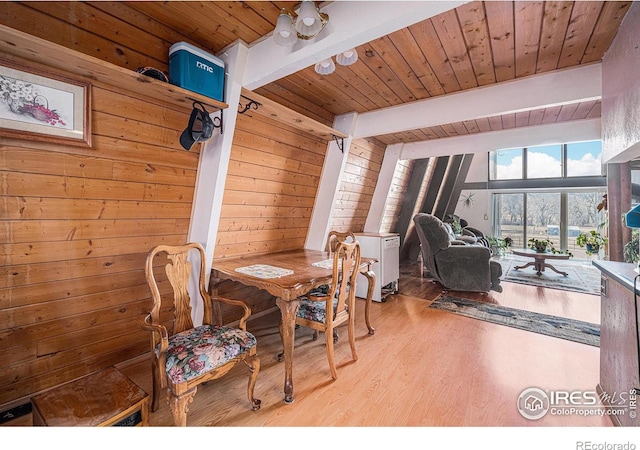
pixel 276 111
pixel 32 48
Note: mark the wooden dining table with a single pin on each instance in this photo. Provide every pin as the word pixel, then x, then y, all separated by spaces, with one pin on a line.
pixel 287 276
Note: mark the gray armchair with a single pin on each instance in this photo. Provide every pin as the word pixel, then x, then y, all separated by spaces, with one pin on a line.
pixel 456 267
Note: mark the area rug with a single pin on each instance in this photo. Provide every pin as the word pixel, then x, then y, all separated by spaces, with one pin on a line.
pixel 581 277
pixel 559 327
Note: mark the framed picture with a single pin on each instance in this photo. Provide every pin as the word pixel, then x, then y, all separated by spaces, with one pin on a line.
pixel 38 106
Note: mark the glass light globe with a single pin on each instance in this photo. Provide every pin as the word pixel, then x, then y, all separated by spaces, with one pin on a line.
pixel 284 34
pixel 325 67
pixel 347 57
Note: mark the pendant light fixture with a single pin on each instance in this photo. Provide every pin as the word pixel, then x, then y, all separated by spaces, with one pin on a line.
pixel 307 24
pixel 345 58
pixel 325 67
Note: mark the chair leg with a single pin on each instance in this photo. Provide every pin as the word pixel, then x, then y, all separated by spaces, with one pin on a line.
pixel 179 405
pixel 157 386
pixel 352 336
pixel 253 362
pixel 330 354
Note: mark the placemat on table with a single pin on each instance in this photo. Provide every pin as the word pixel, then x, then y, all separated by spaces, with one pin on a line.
pixel 264 271
pixel 325 264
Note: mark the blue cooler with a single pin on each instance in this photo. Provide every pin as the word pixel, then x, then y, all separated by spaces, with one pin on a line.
pixel 196 70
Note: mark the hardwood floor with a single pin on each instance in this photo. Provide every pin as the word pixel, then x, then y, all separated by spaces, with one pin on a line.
pixel 422 368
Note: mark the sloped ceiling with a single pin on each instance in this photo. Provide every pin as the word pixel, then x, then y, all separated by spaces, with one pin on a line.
pixel 473 45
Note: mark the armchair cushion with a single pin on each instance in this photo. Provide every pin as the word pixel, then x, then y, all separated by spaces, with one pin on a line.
pixel 458 267
pixel 202 349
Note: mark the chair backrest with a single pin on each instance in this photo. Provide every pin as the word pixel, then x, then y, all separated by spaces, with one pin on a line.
pixel 178 270
pixel 335 237
pixel 346 260
pixel 433 236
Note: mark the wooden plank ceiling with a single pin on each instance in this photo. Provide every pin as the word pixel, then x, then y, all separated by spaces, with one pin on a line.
pixel 477 44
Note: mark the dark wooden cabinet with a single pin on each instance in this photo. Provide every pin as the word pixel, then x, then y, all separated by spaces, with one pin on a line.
pixel 619 372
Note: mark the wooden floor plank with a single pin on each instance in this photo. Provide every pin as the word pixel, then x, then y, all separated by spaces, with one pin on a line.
pixel 422 368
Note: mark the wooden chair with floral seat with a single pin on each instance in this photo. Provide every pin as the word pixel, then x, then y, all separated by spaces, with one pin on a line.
pixel 340 300
pixel 184 355
pixel 335 237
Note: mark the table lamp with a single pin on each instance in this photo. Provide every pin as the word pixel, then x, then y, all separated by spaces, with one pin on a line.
pixel 632 220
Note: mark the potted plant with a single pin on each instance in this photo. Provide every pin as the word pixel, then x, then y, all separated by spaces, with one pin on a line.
pixel 456 226
pixel 467 200
pixel 499 245
pixel 630 249
pixel 545 245
pixel 540 245
pixel 591 241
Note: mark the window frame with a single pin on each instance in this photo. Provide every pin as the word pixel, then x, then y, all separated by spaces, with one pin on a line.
pixel 524 181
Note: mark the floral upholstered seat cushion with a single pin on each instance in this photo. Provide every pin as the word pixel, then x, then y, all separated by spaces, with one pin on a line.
pixel 204 348
pixel 314 311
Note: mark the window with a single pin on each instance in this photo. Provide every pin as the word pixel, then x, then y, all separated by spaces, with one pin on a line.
pixel 544 162
pixel 544 212
pixel 549 192
pixel 510 217
pixel 506 164
pixel 579 159
pixel 584 159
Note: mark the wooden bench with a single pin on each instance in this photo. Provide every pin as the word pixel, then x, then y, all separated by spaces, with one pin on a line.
pixel 101 399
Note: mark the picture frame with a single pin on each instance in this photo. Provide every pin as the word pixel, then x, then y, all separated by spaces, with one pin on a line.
pixel 39 106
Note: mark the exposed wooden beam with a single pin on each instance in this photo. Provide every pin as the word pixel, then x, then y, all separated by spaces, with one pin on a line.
pixel 383 185
pixel 445 189
pixel 329 187
pixel 212 173
pixel 410 198
pixel 461 176
pixel 436 180
pixel 411 246
pixel 582 83
pixel 619 202
pixel 576 131
pixel 350 24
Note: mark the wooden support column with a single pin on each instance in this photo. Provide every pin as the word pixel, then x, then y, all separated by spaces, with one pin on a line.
pixel 383 186
pixel 411 245
pixel 460 178
pixel 332 170
pixel 619 202
pixel 446 188
pixel 213 167
pixel 625 202
pixel 434 185
pixel 411 197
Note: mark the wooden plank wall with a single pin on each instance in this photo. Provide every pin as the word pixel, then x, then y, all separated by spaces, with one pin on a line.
pixel 273 178
pixel 77 223
pixel 272 182
pixel 399 186
pixel 76 226
pixel 358 184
